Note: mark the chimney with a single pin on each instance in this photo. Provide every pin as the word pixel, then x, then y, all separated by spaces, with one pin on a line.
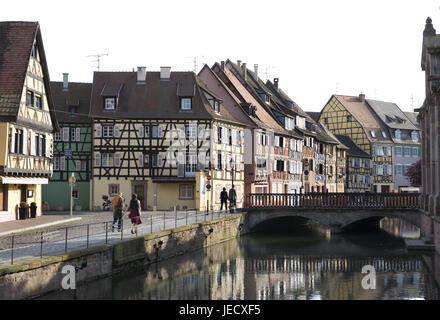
pixel 256 72
pixel 244 71
pixel 429 28
pixel 65 81
pixel 165 73
pixel 239 63
pixel 222 64
pixel 275 83
pixel 141 75
pixel 362 97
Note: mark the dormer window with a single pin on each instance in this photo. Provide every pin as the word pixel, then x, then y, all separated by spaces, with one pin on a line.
pixel 349 118
pixel 217 106
pixel 414 135
pixel 34 53
pixel 72 109
pixel 384 134
pixel 185 104
pixel 397 134
pixel 267 98
pixel 109 103
pixel 373 134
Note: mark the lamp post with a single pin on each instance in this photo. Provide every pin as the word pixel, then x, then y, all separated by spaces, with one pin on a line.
pixel 72 181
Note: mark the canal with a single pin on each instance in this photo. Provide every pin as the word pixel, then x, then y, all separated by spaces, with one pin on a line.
pixel 284 260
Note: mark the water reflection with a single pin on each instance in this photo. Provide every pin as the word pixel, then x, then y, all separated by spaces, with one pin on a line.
pixel 400 228
pixel 280 266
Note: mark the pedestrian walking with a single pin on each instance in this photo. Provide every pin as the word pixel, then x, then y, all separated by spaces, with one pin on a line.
pixel 118 207
pixel 135 213
pixel 224 199
pixel 232 199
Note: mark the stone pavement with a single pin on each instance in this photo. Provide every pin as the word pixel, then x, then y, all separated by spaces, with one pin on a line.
pixel 94 228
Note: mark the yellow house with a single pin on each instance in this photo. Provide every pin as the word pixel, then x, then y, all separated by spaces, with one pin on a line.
pixel 165 137
pixel 352 117
pixel 27 119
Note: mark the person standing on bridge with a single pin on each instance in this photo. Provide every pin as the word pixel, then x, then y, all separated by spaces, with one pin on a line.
pixel 232 199
pixel 135 213
pixel 224 199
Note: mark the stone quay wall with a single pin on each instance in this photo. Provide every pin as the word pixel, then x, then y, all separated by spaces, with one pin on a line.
pixel 33 278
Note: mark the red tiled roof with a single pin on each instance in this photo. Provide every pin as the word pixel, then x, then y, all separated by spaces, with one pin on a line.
pixel 16 40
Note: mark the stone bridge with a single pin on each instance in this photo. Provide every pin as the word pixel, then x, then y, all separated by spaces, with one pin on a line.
pixel 334 211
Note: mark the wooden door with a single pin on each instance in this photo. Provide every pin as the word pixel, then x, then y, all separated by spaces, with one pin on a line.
pixel 23 193
pixel 139 190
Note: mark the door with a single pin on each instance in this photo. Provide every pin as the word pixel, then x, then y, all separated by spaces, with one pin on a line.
pixel 23 193
pixel 139 190
pixel 385 189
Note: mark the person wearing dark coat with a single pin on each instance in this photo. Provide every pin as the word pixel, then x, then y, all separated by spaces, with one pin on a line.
pixel 224 199
pixel 232 199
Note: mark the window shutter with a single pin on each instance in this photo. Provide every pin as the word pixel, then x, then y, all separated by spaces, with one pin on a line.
pixel 32 142
pixel 116 131
pixel 277 141
pixel 78 134
pixel 159 160
pixel 78 165
pixel 141 160
pixel 159 131
pixel 97 159
pixel 141 131
pixel 65 132
pixel 62 163
pixel 234 137
pixel 117 159
pixel 98 131
pixel 25 141
pixel 12 140
pixel 224 136
pixel 48 145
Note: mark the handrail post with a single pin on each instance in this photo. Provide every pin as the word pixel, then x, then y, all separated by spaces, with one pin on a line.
pixel 122 228
pixel 106 232
pixel 88 229
pixel 12 250
pixel 41 245
pixel 65 246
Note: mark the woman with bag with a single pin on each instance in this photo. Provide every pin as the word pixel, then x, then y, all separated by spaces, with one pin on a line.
pixel 135 213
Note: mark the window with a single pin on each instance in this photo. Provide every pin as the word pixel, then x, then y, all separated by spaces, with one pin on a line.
pixel 320 169
pixel 185 104
pixel 415 152
pixel 57 136
pixel 349 118
pixel 18 141
pixel 407 151
pixel 34 53
pixel 107 159
pixel 109 103
pixel 367 163
pixel 219 162
pixel 113 189
pixel 156 131
pixel 107 131
pixel 56 163
pixel 373 134
pixel 398 151
pixel 219 135
pixel 217 106
pixel 279 165
pixel 186 191
pixel 398 169
pixel 38 102
pixel 75 194
pixel 29 98
pixel 77 165
pixel 384 134
pixel 147 132
pixel 414 135
pixel 230 137
pixel 191 132
pixel 398 134
pixel 267 98
pixel 40 145
pixel 83 165
pixel 156 160
pixel 74 134
pixel 326 120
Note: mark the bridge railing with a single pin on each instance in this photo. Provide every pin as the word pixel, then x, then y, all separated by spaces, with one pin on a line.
pixel 335 200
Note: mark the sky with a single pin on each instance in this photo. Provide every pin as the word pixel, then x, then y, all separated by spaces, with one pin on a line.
pixel 316 48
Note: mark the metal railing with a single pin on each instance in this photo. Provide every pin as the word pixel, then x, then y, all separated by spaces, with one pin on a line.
pixel 55 241
pixel 335 200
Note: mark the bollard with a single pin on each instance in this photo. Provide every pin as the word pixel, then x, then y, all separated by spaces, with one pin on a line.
pixel 12 250
pixel 41 245
pixel 88 235
pixel 65 247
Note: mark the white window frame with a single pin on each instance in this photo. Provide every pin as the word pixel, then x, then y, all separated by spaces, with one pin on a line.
pixel 108 131
pixel 110 104
pixel 186 191
pixel 185 104
pixel 107 160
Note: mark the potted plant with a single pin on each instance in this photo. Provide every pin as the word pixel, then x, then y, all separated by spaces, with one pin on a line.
pixel 33 210
pixel 23 210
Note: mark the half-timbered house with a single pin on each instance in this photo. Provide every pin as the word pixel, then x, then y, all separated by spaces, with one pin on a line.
pixel 166 137
pixel 72 146
pixel 27 118
pixel 351 116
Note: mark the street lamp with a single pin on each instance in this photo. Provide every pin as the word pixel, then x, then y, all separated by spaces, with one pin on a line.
pixel 72 181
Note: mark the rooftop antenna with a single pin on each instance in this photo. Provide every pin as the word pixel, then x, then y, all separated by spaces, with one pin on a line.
pixel 195 61
pixel 412 101
pixel 98 58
